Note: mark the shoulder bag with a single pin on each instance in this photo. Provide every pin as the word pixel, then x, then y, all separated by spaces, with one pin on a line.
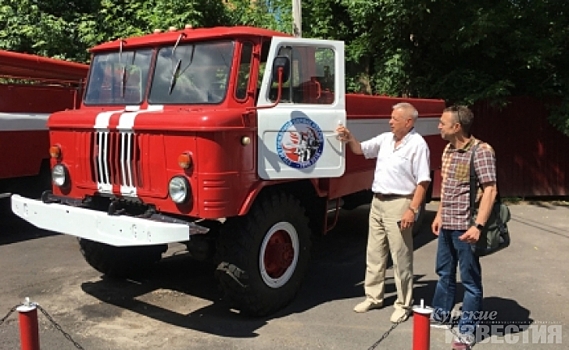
pixel 495 236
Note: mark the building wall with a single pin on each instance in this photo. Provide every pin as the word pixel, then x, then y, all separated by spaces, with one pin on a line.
pixel 532 156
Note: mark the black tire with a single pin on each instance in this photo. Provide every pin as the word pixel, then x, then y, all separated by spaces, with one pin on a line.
pixel 120 262
pixel 253 280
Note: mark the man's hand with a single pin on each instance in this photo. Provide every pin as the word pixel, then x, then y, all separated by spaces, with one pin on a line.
pixel 344 134
pixel 471 235
pixel 407 220
pixel 437 224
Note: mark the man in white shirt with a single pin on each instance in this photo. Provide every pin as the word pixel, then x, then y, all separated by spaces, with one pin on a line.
pixel 401 179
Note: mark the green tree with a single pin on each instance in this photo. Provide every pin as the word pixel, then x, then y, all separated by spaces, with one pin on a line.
pixel 467 51
pixel 68 29
pixel 269 14
pixel 41 27
pixel 375 37
pixel 460 50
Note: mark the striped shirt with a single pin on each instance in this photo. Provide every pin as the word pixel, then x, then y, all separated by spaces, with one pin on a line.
pixel 455 188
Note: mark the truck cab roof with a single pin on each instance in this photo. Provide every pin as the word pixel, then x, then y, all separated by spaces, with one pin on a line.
pixel 189 34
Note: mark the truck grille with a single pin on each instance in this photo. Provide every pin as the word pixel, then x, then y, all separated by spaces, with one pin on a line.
pixel 116 161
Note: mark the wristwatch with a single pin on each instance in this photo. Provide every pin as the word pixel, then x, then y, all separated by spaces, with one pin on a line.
pixel 480 227
pixel 414 210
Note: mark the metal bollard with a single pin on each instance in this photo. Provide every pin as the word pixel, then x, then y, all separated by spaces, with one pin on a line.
pixel 29 330
pixel 422 327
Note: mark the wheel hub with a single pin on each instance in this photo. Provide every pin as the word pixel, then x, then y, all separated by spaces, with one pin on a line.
pixel 279 254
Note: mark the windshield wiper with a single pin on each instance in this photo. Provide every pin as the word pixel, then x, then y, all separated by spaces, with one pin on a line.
pixel 176 69
pixel 174 76
pixel 123 72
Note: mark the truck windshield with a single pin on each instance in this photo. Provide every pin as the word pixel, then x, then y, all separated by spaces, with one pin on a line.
pixel 118 77
pixel 194 73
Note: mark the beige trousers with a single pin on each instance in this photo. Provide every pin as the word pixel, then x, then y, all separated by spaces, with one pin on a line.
pixel 384 237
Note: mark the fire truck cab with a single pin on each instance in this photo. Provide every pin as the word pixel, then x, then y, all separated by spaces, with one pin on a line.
pixel 221 138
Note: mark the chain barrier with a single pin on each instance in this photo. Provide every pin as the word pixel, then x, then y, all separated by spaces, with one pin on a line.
pixel 403 318
pixel 8 315
pixel 386 334
pixel 48 316
pixel 58 327
pixel 460 338
pixel 375 345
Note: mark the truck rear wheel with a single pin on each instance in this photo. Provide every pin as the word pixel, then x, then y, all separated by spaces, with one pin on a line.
pixel 120 262
pixel 263 256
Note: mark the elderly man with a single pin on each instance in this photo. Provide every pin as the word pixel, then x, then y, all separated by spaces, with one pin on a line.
pixel 401 179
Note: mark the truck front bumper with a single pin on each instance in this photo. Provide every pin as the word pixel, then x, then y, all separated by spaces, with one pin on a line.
pixel 115 230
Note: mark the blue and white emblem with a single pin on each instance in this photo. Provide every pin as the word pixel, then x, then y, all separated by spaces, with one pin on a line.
pixel 300 143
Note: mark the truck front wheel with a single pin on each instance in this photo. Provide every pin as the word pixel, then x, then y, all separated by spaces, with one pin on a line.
pixel 262 257
pixel 120 262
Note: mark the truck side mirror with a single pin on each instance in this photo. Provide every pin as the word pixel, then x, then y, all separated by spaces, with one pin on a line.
pixel 281 62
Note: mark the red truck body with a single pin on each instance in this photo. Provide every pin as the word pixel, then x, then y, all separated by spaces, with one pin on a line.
pixel 221 138
pixel 32 88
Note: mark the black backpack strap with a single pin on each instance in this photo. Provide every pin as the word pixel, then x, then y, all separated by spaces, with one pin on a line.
pixel 473 181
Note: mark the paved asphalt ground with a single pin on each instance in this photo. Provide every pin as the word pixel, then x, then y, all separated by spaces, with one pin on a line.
pixel 177 306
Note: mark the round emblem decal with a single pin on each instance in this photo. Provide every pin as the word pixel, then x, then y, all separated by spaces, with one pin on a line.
pixel 300 143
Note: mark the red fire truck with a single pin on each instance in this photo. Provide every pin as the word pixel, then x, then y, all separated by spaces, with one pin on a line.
pixel 32 87
pixel 221 138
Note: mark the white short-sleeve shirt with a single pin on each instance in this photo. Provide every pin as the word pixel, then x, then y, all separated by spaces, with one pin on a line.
pixel 398 170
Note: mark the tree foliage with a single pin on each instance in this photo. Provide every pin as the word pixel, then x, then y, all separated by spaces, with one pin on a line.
pixel 270 14
pixel 67 29
pixel 460 50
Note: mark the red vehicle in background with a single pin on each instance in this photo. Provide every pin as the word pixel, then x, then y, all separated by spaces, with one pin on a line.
pixel 223 139
pixel 31 88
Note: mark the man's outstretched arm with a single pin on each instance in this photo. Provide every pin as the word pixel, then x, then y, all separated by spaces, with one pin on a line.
pixel 346 136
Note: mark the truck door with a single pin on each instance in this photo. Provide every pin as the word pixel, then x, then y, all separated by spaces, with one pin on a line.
pixel 297 138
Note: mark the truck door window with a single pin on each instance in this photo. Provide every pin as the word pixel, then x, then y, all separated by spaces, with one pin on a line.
pixel 118 78
pixel 244 72
pixel 265 48
pixel 195 73
pixel 325 67
pixel 288 85
pixel 311 80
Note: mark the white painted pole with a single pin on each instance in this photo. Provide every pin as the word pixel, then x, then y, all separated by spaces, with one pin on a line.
pixel 297 18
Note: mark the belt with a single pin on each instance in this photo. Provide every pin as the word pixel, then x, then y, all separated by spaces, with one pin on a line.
pixel 386 197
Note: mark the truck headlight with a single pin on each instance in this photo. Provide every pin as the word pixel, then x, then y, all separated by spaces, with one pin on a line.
pixel 59 175
pixel 178 188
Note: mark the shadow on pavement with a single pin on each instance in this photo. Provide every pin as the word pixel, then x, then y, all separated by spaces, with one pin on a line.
pixel 174 275
pixel 510 318
pixel 336 272
pixel 500 317
pixel 14 229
